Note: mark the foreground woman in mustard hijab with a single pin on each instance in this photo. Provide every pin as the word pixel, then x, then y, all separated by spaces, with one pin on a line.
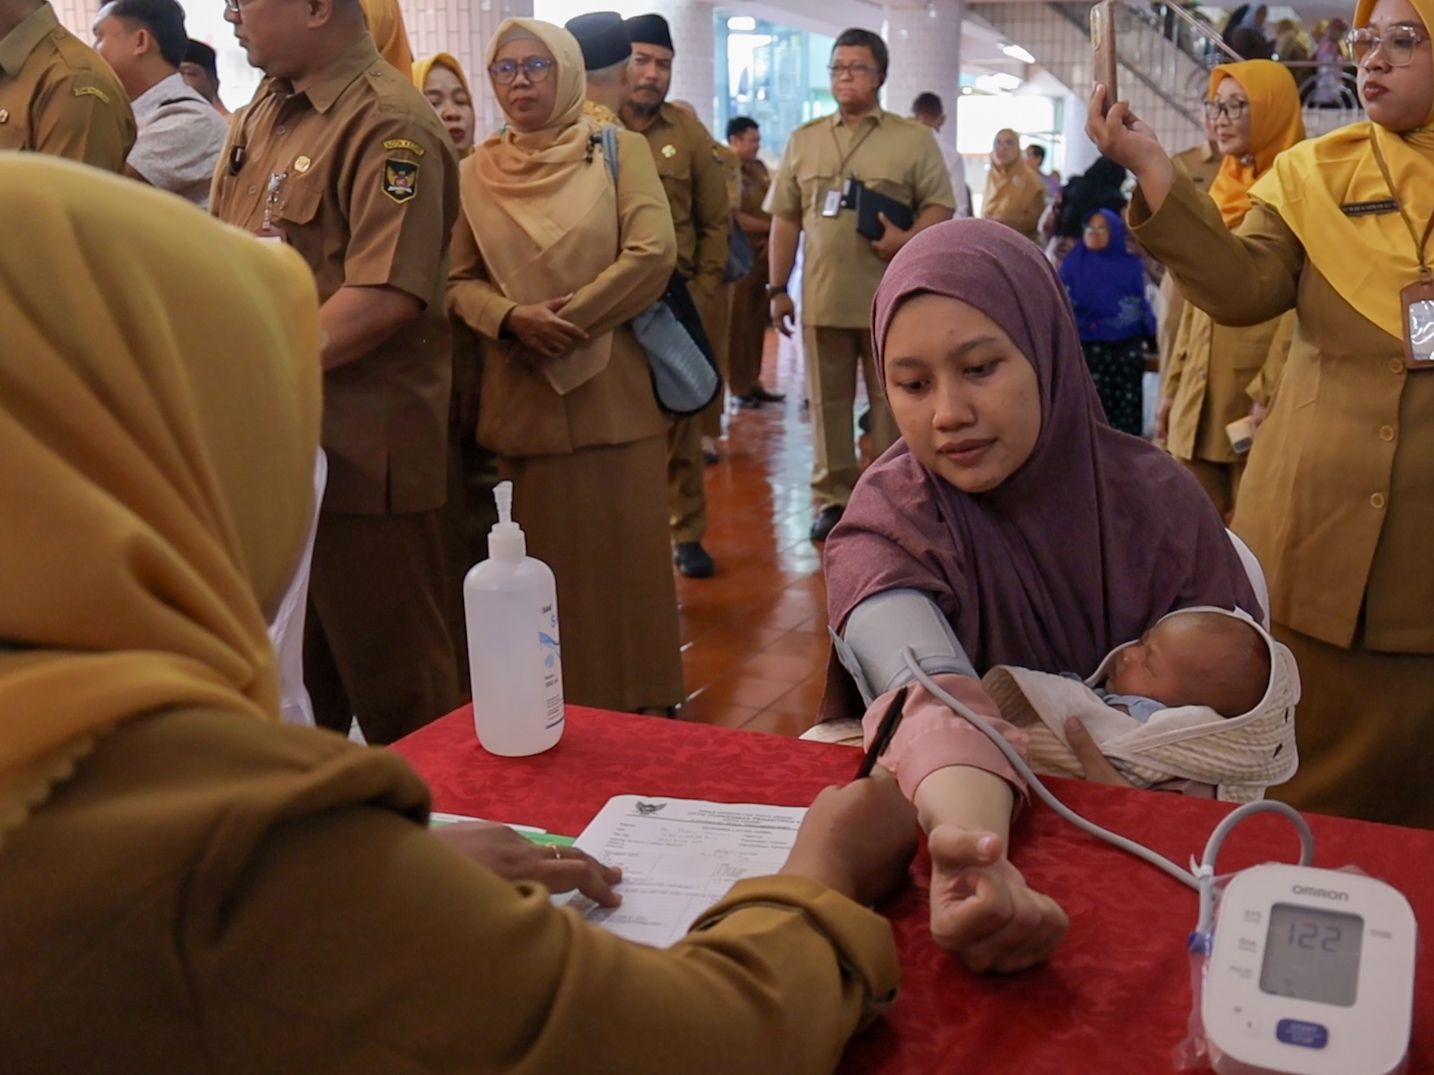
pixel 187 885
pixel 1338 495
pixel 1217 374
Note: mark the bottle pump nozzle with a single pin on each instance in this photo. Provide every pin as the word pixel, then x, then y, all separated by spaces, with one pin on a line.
pixel 506 540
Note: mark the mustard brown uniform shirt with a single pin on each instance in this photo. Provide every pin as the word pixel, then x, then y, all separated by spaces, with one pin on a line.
pixel 1335 500
pixel 57 96
pixel 890 154
pixel 369 196
pixel 690 167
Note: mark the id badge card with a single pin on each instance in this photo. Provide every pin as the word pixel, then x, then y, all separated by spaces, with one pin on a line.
pixel 831 203
pixel 1418 302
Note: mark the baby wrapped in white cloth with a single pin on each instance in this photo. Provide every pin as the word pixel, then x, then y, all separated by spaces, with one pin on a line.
pixel 1206 695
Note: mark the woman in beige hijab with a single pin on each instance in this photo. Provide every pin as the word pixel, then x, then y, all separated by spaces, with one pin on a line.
pixel 551 260
pixel 187 885
pixel 1015 192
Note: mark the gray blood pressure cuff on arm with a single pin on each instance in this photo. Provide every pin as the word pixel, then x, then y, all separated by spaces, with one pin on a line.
pixel 872 644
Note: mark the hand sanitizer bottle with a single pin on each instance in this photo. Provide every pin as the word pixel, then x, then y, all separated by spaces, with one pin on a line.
pixel 511 605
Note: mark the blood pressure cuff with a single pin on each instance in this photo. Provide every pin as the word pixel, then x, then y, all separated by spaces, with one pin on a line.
pixel 879 629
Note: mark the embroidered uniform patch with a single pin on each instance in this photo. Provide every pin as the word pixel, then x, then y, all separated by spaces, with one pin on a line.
pixel 400 179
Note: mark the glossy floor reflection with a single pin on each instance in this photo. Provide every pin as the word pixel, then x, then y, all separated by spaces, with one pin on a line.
pixel 754 645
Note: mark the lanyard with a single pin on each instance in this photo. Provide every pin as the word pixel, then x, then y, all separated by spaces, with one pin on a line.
pixel 843 158
pixel 1419 244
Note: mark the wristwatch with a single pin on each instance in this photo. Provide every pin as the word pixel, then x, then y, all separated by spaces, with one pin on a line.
pixel 773 290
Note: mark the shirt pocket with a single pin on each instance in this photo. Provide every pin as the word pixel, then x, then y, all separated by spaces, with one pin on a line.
pixel 814 182
pixel 299 202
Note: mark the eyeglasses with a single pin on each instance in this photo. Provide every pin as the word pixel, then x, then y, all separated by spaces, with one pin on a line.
pixel 856 70
pixel 1396 44
pixel 1235 108
pixel 535 69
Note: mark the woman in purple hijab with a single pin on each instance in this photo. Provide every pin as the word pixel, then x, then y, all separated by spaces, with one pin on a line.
pixel 1009 525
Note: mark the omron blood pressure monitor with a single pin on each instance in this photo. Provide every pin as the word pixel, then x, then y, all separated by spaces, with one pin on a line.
pixel 1310 972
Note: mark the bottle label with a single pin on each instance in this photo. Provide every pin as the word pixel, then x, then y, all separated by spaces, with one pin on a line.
pixel 552 666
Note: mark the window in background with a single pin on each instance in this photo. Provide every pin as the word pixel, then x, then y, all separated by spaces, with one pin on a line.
pixel 773 73
pixel 204 21
pixel 978 118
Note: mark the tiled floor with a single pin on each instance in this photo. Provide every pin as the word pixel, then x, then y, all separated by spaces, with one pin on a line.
pixel 754 646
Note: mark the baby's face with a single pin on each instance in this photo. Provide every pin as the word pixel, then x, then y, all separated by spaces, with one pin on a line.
pixel 1159 665
pixel 1176 662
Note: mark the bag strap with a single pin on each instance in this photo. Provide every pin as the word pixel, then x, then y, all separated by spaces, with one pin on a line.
pixel 609 150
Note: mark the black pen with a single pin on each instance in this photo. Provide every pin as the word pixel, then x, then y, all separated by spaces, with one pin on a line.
pixel 884 731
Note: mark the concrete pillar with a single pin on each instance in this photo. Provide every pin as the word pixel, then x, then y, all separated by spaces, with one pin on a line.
pixel 925 44
pixel 694 68
pixel 462 28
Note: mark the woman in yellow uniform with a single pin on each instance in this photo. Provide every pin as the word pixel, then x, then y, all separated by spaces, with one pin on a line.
pixel 1218 374
pixel 1338 496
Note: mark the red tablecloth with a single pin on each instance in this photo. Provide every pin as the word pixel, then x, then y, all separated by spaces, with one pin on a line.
pixel 1116 996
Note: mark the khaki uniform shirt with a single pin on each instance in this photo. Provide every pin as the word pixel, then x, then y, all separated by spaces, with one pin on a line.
pixel 689 164
pixel 890 154
pixel 1202 165
pixel 368 195
pixel 58 96
pixel 1337 500
pixel 157 914
pixel 756 181
pixel 521 415
pixel 1215 374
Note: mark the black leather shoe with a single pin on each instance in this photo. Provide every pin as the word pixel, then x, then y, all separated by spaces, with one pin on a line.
pixel 827 518
pixel 762 395
pixel 692 560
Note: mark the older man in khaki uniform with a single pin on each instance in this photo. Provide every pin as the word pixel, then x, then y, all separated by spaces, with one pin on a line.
pixel 894 156
pixel 57 95
pixel 341 157
pixel 691 174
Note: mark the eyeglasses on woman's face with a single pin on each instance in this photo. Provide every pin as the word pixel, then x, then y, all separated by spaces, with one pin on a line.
pixel 1395 43
pixel 1234 108
pixel 535 69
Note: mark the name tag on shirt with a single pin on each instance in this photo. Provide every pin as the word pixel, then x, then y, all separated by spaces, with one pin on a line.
pixel 1385 205
pixel 831 204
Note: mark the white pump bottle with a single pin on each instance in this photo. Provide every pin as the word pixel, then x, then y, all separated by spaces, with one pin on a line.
pixel 511 606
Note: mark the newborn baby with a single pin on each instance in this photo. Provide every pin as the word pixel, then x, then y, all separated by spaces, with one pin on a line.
pixel 1205 696
pixel 1190 658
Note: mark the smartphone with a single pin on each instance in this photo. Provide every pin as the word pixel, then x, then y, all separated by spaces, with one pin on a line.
pixel 1102 43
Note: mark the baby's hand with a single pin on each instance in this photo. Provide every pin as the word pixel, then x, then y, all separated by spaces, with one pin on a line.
pixel 1093 763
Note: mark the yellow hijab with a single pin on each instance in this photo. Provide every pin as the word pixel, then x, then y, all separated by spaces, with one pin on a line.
pixel 541 203
pixel 159 415
pixel 1367 259
pixel 385 26
pixel 424 67
pixel 1275 125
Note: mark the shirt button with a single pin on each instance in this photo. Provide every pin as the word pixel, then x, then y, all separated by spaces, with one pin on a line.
pixel 1386 433
pixel 279 129
pixel 1395 366
pixel 1377 500
pixel 253 190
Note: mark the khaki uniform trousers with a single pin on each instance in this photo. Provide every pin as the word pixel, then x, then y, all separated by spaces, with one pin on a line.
pixel 376 642
pixel 833 356
pixel 1221 482
pixel 722 351
pixel 748 333
pixel 686 491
